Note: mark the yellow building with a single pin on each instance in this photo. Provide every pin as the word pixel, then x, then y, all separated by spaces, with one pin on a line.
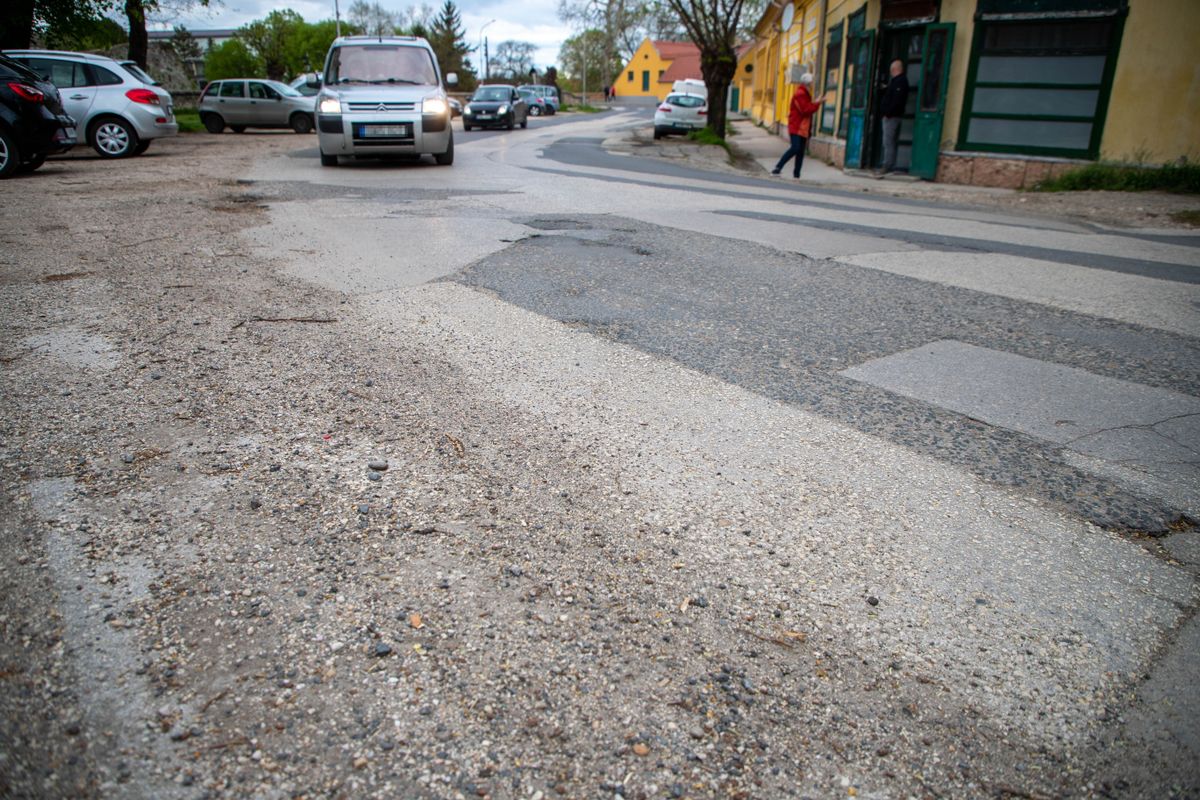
pixel 1003 92
pixel 656 66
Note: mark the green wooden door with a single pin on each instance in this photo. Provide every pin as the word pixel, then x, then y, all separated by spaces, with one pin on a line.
pixel 859 59
pixel 931 100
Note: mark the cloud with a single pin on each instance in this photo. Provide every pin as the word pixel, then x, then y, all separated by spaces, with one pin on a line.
pixel 533 21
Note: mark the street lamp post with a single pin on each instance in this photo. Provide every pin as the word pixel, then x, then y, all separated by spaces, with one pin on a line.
pixel 337 15
pixel 487 73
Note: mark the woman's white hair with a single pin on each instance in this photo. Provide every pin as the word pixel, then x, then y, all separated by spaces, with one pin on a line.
pixel 806 79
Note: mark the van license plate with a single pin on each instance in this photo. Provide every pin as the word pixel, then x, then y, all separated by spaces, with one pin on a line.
pixel 384 130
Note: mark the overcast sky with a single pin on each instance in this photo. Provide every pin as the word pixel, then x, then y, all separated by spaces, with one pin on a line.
pixel 534 21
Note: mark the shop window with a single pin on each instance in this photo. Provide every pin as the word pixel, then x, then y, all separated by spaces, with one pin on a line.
pixel 833 67
pixel 1039 86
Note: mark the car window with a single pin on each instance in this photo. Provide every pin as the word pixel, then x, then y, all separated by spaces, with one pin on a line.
pixel 492 93
pixel 283 89
pixel 685 100
pixel 382 64
pixel 258 91
pixel 233 89
pixel 139 73
pixel 104 77
pixel 63 74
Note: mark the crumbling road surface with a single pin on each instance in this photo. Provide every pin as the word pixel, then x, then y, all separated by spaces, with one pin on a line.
pixel 264 535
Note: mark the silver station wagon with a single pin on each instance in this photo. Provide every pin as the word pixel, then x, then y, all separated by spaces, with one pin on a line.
pixel 383 96
pixel 244 103
pixel 117 107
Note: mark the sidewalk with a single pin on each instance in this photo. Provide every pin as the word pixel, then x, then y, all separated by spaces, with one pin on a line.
pixel 756 150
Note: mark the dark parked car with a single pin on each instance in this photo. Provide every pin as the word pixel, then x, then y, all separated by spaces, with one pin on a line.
pixel 495 105
pixel 33 124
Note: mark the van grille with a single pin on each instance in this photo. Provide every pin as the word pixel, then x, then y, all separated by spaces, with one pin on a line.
pixel 381 108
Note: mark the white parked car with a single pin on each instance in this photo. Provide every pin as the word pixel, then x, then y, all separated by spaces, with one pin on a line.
pixel 679 113
pixel 117 107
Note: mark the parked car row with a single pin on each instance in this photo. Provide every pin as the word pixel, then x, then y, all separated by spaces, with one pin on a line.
pixel 116 107
pixel 377 96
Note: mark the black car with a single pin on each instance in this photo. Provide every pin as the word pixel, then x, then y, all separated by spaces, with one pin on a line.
pixel 33 124
pixel 495 106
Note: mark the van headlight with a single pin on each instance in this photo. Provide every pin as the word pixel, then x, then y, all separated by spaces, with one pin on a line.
pixel 330 105
pixel 433 105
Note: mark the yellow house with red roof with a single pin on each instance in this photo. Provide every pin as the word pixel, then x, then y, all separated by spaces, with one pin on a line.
pixel 655 66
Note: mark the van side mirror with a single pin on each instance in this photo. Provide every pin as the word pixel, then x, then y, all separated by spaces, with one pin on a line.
pixel 311 80
pixel 451 78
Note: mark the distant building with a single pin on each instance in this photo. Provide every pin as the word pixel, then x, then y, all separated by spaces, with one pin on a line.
pixel 655 66
pixel 207 39
pixel 1003 92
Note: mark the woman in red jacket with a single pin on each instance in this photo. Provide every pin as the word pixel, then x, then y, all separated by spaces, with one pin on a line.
pixel 799 124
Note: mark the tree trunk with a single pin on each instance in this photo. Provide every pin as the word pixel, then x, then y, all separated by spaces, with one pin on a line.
pixel 139 42
pixel 718 71
pixel 16 25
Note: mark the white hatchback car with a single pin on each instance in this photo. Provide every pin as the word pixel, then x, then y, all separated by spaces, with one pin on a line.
pixel 679 113
pixel 117 107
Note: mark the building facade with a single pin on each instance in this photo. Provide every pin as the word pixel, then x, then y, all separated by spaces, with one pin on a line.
pixel 655 67
pixel 1003 92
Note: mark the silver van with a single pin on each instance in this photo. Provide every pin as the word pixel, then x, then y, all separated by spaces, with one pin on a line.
pixel 117 107
pixel 383 96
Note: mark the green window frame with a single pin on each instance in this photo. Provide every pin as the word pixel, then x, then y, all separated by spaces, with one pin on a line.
pixel 645 80
pixel 1040 84
pixel 833 69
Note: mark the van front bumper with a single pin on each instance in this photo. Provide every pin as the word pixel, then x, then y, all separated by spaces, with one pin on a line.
pixel 358 136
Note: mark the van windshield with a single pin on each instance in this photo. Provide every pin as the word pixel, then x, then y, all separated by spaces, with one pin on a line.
pixel 381 64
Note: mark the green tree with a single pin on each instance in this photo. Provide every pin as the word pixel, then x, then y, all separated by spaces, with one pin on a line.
pixel 231 59
pixel 371 18
pixel 269 39
pixel 589 49
pixel 307 46
pixel 446 37
pixel 85 34
pixel 620 23
pixel 512 61
pixel 21 19
pixel 714 26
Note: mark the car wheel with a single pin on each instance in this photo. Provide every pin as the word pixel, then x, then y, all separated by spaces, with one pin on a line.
pixel 302 123
pixel 213 123
pixel 658 133
pixel 512 122
pixel 536 111
pixel 466 127
pixel 32 164
pixel 10 158
pixel 238 128
pixel 142 147
pixel 525 121
pixel 328 160
pixel 447 158
pixel 113 138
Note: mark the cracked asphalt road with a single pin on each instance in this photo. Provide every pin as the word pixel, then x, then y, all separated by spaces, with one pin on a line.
pixel 396 480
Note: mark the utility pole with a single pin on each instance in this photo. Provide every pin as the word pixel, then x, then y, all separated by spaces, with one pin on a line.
pixel 337 17
pixel 487 71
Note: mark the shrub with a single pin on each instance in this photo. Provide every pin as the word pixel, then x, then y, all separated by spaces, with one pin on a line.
pixel 1183 177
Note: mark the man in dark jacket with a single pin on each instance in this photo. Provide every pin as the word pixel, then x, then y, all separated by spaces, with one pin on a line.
pixel 895 97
